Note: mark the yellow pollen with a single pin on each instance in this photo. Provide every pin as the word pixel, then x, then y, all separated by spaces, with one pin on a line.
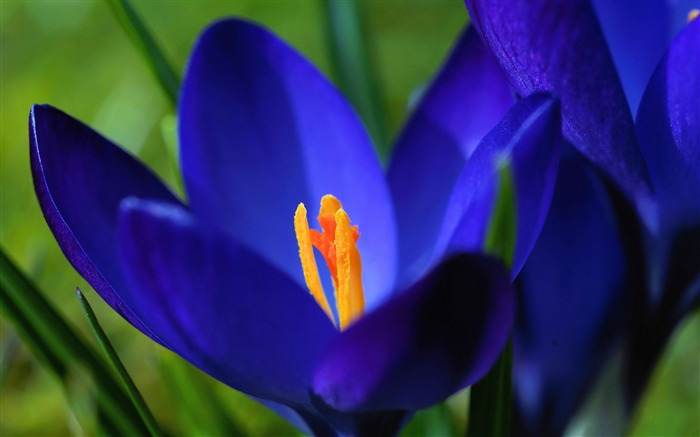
pixel 338 244
pixel 693 14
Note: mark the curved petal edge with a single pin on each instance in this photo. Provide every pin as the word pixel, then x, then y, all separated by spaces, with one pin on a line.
pixel 80 179
pixel 221 306
pixel 424 344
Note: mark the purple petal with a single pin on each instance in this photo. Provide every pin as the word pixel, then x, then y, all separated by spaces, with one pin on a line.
pixel 262 130
pixel 672 295
pixel 80 179
pixel 443 333
pixel 307 421
pixel 668 125
pixel 221 306
pixel 559 47
pixel 637 33
pixel 529 138
pixel 570 303
pixel 466 100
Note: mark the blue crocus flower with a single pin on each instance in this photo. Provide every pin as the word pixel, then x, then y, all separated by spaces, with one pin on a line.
pixel 230 280
pixel 609 260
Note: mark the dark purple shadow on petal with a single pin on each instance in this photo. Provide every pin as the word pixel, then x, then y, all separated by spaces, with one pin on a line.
pixel 683 271
pixel 427 342
pixel 571 302
pixel 80 179
pixel 668 126
pixel 327 422
pixel 221 306
pixel 529 136
pixel 262 130
pixel 386 423
pixel 466 100
pixel 653 319
pixel 558 46
pixel 307 421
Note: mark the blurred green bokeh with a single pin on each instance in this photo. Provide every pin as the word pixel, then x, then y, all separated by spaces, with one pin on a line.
pixel 74 55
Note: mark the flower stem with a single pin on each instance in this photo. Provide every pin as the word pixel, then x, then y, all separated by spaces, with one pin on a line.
pixel 490 401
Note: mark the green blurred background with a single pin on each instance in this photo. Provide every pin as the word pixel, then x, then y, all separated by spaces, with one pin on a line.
pixel 74 55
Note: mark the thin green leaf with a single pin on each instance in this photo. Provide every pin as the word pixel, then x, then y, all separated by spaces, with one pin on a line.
pixel 142 38
pixel 500 238
pixel 197 408
pixel 433 421
pixel 353 67
pixel 8 352
pixel 490 400
pixel 59 348
pixel 112 357
pixel 490 409
pixel 168 130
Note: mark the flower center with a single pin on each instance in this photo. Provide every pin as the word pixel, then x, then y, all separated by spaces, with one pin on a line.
pixel 337 244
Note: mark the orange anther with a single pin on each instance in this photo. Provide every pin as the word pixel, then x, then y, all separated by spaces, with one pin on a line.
pixel 337 244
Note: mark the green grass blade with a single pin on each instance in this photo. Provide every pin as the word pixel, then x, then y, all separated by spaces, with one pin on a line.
pixel 8 352
pixel 168 131
pixel 500 238
pixel 490 400
pixel 195 402
pixel 434 421
pixel 152 54
pixel 59 348
pixel 112 357
pixel 353 67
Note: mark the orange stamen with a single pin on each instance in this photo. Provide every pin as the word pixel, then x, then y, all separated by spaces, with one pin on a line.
pixel 308 262
pixel 337 244
pixel 349 296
